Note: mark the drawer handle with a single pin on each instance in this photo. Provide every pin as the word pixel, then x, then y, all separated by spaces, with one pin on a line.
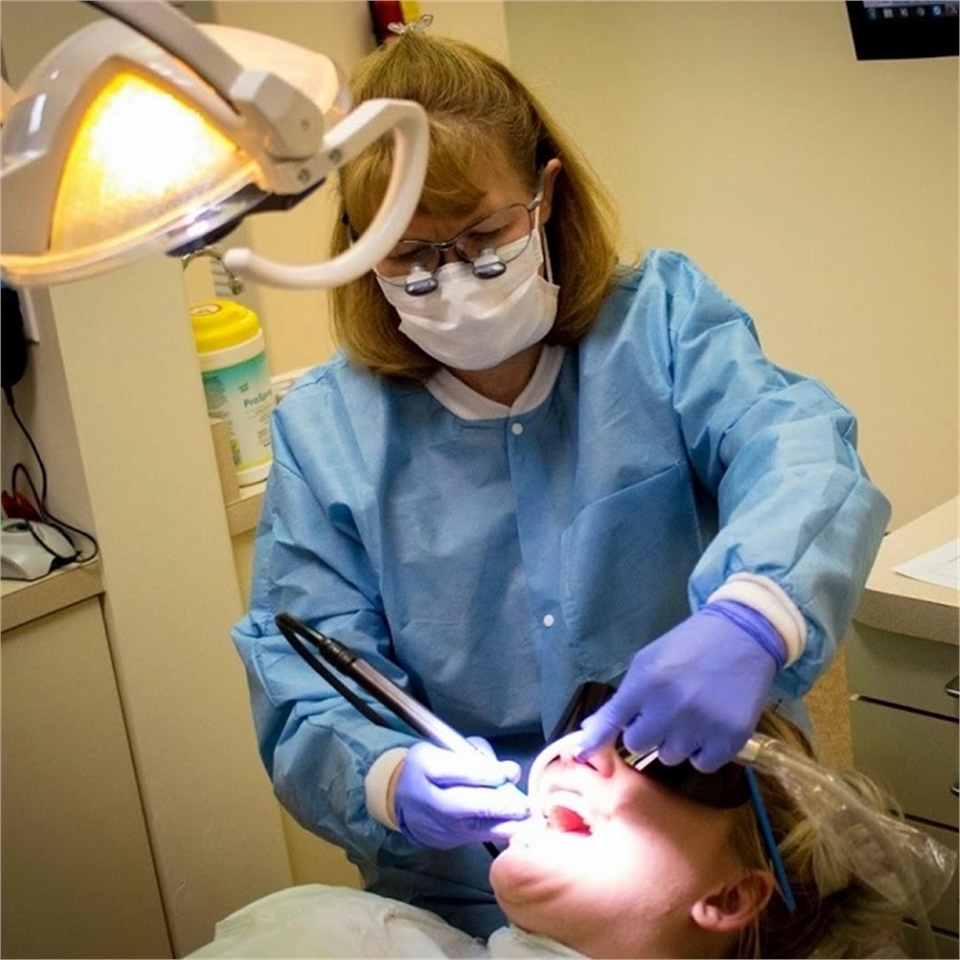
pixel 953 687
pixel 955 788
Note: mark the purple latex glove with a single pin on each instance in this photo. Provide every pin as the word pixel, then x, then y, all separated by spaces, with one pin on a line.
pixel 696 692
pixel 445 799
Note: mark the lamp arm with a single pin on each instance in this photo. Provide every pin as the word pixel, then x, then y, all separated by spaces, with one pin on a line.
pixel 361 127
pixel 178 35
pixel 277 119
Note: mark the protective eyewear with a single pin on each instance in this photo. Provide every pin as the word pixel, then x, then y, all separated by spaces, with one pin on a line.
pixel 725 789
pixel 731 786
pixel 488 245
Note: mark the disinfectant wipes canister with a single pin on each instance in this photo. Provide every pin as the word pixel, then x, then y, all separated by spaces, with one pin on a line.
pixel 236 381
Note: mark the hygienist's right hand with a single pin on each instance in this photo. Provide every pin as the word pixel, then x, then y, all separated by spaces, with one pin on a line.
pixel 444 799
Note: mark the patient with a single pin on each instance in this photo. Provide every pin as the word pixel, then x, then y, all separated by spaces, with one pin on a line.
pixel 621 865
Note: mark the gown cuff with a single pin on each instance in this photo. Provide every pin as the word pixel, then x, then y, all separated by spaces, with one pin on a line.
pixel 377 782
pixel 769 598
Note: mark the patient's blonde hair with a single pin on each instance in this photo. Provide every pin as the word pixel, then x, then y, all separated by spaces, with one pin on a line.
pixel 837 914
pixel 476 107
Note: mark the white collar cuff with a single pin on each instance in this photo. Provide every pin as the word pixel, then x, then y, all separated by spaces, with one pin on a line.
pixel 467 404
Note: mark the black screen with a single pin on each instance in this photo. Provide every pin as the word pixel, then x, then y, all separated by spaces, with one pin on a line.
pixel 901 29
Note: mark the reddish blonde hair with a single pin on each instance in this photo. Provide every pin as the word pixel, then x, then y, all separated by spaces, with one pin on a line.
pixel 477 109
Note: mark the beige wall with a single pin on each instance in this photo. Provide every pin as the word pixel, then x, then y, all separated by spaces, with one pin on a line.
pixel 819 191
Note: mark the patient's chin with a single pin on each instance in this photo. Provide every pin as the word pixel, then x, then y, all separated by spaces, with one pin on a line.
pixel 542 859
pixel 520 881
pixel 537 897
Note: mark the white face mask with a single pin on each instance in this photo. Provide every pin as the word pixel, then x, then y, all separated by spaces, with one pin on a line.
pixel 473 324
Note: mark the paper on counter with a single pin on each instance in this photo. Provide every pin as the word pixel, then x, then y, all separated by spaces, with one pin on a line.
pixel 940 566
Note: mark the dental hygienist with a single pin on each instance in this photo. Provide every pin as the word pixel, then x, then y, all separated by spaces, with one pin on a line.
pixel 530 466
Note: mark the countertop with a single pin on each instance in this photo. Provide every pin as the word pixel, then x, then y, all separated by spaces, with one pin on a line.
pixel 243 512
pixel 26 600
pixel 900 604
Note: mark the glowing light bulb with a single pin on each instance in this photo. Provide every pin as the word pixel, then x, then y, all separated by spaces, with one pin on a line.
pixel 139 156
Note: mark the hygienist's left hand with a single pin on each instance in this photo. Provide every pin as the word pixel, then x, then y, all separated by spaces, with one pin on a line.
pixel 696 692
pixel 444 799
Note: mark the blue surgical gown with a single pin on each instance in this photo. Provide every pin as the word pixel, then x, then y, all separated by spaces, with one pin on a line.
pixel 490 566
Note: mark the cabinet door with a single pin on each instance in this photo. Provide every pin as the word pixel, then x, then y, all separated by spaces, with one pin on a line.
pixel 907 671
pixel 77 873
pixel 913 755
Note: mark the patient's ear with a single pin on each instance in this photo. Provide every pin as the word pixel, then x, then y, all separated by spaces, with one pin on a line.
pixel 732 906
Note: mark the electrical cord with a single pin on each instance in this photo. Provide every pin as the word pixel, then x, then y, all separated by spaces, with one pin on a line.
pixel 292 630
pixel 39 503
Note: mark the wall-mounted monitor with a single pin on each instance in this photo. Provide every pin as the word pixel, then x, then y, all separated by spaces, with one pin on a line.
pixel 902 29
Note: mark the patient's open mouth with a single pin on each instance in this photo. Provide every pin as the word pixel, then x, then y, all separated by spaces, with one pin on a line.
pixel 561 808
pixel 565 811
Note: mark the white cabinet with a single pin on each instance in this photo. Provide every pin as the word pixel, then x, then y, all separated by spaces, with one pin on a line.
pixel 902 673
pixel 77 873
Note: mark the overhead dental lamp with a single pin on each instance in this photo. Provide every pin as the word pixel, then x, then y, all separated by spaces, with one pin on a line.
pixel 147 133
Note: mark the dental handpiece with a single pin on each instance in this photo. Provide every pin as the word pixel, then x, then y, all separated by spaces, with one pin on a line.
pixel 396 700
pixel 385 691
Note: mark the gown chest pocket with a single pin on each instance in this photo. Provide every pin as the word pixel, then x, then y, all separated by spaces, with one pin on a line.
pixel 626 560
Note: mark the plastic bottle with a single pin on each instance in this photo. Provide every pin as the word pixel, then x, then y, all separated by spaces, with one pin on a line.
pixel 236 381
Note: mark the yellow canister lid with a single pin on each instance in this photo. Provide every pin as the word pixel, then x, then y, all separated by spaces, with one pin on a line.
pixel 221 324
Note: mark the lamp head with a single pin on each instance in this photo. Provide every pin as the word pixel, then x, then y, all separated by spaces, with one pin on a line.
pixel 114 148
pixel 148 133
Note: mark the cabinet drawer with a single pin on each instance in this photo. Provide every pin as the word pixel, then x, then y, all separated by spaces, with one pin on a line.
pixel 913 755
pixel 907 671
